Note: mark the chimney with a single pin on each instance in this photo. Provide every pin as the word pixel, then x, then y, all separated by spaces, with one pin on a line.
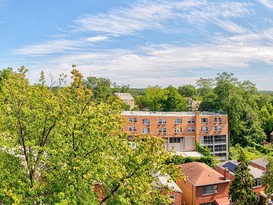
pixel 226 174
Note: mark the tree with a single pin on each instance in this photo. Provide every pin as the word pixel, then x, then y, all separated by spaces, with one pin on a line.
pixel 154 98
pixel 174 101
pixel 241 191
pixel 267 178
pixel 101 88
pixel 56 145
pixel 187 90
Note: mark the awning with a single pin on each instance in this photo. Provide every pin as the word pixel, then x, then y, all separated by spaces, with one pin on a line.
pixel 222 201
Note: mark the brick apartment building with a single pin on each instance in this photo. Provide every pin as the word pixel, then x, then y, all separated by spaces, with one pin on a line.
pixel 203 185
pixel 182 130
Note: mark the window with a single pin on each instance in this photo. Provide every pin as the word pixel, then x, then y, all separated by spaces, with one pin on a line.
pixel 145 121
pixel 191 129
pixel 223 154
pixel 163 130
pixel 204 120
pixel 220 148
pixel 218 120
pixel 145 130
pixel 218 128
pixel 258 182
pixel 178 130
pixel 178 121
pixel 131 120
pixel 132 129
pixel 204 129
pixel 206 140
pixel 210 189
pixel 176 139
pixel 191 120
pixel 172 198
pixel 161 121
pixel 219 139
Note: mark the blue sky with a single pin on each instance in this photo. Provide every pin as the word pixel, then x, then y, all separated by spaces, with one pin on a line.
pixel 141 43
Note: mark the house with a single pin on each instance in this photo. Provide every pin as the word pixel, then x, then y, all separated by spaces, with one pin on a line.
pixel 182 130
pixel 257 172
pixel 169 187
pixel 127 98
pixel 203 185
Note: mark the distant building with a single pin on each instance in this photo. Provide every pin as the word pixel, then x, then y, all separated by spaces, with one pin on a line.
pixel 203 185
pixel 193 104
pixel 257 169
pixel 182 130
pixel 127 98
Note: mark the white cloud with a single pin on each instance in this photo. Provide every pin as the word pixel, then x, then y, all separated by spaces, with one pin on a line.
pixel 267 3
pixel 58 46
pixel 155 14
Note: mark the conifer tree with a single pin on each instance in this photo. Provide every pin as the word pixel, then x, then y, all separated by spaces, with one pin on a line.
pixel 241 191
pixel 267 178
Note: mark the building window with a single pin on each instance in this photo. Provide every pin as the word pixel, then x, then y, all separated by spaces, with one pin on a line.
pixel 163 130
pixel 218 120
pixel 145 121
pixel 172 199
pixel 204 129
pixel 210 189
pixel 218 128
pixel 161 121
pixel 178 121
pixel 204 120
pixel 191 120
pixel 220 148
pixel 258 182
pixel 219 139
pixel 132 129
pixel 178 130
pixel 206 140
pixel 191 129
pixel 176 139
pixel 145 130
pixel 131 120
pixel 223 154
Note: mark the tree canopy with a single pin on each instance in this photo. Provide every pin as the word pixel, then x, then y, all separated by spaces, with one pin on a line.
pixel 57 145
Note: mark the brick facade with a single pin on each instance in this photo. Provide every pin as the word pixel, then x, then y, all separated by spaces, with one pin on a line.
pixel 182 130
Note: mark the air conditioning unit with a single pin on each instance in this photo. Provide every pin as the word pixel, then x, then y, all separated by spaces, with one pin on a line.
pixel 215 191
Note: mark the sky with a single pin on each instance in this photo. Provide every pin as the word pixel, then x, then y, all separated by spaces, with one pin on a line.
pixel 140 42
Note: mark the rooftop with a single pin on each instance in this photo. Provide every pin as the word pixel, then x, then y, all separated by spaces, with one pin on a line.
pixel 232 164
pixel 124 96
pixel 153 113
pixel 201 174
pixel 165 181
pixel 260 161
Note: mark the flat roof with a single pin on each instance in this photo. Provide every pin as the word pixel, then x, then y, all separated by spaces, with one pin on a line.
pixel 178 114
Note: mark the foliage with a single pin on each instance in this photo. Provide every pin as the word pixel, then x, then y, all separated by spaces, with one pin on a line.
pixel 57 144
pixel 267 178
pixel 177 159
pixel 241 191
pixel 240 101
pixel 187 91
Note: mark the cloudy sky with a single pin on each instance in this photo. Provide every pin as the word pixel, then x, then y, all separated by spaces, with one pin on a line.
pixel 140 42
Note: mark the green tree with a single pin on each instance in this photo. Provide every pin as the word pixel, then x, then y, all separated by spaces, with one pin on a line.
pixel 266 179
pixel 154 98
pixel 187 90
pixel 241 191
pixel 58 144
pixel 174 101
pixel 101 88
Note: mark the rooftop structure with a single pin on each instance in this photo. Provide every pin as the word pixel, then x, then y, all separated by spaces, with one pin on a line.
pixel 127 98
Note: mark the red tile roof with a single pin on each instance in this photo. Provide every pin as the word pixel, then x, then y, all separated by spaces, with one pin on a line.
pixel 201 174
